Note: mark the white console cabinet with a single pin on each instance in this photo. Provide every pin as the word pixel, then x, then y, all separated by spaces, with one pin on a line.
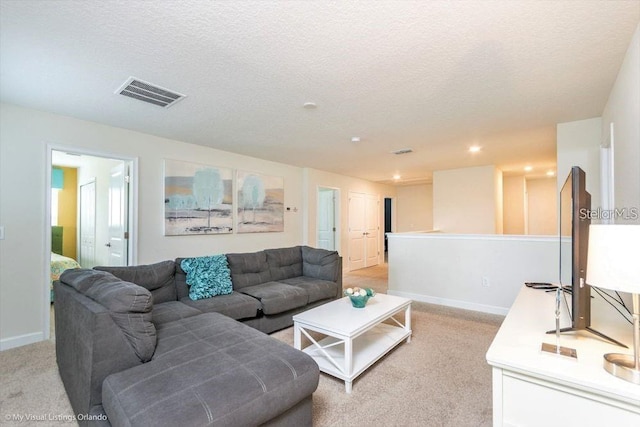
pixel 536 388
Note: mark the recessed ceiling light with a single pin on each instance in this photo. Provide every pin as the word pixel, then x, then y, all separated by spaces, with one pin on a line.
pixel 550 173
pixel 396 177
pixel 528 168
pixel 355 139
pixel 474 149
pixel 309 105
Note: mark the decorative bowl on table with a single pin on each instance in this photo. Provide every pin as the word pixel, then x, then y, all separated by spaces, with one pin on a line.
pixel 359 296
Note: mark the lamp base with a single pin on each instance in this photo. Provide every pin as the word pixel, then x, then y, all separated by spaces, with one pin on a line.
pixel 622 366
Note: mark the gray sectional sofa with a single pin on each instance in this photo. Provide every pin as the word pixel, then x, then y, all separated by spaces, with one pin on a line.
pixel 133 349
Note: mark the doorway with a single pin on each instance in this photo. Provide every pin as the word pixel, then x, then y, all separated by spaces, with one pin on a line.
pixel 387 224
pixel 104 196
pixel 327 235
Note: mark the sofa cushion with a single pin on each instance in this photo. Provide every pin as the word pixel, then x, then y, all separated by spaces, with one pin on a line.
pixel 129 305
pixel 172 310
pixel 210 370
pixel 317 289
pixel 248 269
pixel 235 305
pixel 320 263
pixel 277 297
pixel 158 278
pixel 207 276
pixel 284 263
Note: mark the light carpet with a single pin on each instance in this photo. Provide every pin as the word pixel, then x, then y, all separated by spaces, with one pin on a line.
pixel 441 378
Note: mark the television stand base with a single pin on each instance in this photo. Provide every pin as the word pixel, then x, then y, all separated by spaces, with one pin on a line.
pixel 593 331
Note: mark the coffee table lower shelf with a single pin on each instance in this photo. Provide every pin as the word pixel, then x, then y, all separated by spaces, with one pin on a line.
pixel 366 349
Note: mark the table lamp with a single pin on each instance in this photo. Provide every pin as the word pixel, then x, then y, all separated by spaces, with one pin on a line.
pixel 614 263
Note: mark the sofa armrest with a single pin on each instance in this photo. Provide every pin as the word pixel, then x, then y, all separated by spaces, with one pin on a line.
pixel 89 347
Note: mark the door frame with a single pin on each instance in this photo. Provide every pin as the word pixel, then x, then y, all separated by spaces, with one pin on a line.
pixel 336 214
pixel 392 214
pixel 132 255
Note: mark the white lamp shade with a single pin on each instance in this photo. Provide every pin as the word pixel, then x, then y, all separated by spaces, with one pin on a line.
pixel 614 257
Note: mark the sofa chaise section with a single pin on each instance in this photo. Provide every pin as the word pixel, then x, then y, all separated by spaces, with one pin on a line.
pixel 211 370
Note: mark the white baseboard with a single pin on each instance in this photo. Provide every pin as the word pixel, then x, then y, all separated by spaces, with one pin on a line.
pixel 466 305
pixel 20 340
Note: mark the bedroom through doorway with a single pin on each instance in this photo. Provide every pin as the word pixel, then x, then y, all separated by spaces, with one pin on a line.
pixel 90 206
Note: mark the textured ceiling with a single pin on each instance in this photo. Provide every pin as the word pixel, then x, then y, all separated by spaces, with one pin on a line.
pixel 434 76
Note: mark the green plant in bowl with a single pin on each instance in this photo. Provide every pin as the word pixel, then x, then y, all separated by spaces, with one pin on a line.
pixel 359 296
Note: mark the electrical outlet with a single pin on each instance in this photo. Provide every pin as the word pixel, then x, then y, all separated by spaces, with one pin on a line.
pixel 485 282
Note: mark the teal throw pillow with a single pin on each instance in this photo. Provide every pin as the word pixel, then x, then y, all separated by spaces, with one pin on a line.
pixel 207 276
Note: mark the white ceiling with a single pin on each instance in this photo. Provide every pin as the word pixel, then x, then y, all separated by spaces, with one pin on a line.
pixel 435 76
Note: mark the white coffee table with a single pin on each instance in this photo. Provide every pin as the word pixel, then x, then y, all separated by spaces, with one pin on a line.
pixel 355 337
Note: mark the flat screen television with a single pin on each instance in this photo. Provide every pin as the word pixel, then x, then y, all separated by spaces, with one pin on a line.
pixel 575 203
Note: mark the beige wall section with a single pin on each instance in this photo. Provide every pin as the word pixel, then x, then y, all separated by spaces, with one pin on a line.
pixel 24 134
pixel 464 200
pixel 542 206
pixel 514 188
pixel 578 144
pixel 68 212
pixel 623 110
pixel 314 179
pixel 498 187
pixel 414 208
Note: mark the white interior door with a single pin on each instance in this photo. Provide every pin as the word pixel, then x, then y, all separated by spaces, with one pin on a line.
pixel 87 257
pixel 326 219
pixel 357 230
pixel 364 230
pixel 117 216
pixel 372 230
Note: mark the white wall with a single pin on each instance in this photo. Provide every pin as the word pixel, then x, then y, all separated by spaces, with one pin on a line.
pixel 313 179
pixel 623 110
pixel 449 269
pixel 414 208
pixel 464 200
pixel 513 203
pixel 24 135
pixel 542 206
pixel 578 144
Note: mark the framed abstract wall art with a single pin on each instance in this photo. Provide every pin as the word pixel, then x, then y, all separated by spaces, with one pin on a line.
pixel 260 203
pixel 198 199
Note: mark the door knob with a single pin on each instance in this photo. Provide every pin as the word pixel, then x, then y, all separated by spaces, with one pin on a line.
pixel 108 245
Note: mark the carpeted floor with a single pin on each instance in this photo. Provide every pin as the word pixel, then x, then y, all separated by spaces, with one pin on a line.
pixel 441 378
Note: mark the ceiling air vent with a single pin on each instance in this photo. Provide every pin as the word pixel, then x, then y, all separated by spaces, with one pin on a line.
pixel 402 151
pixel 148 92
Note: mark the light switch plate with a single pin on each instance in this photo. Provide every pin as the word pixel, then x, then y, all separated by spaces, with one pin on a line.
pixel 1 232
